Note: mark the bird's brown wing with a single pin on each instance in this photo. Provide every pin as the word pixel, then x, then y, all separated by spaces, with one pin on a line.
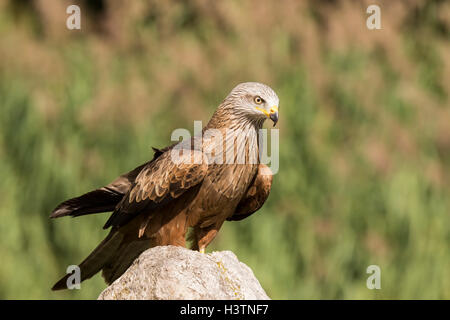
pixel 256 194
pixel 100 200
pixel 103 199
pixel 158 183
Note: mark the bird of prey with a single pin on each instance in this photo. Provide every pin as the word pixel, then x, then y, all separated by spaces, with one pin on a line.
pixel 206 184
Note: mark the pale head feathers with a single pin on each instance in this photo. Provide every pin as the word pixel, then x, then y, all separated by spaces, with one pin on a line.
pixel 248 102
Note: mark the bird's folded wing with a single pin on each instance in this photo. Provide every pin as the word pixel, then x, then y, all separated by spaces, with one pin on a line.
pixel 100 200
pixel 159 182
pixel 256 194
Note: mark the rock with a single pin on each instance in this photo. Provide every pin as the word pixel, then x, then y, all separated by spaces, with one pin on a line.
pixel 169 272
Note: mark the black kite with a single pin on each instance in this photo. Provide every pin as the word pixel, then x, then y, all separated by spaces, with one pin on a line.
pixel 157 202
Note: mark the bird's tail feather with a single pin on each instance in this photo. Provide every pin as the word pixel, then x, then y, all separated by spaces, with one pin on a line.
pixel 123 258
pixel 98 258
pixel 100 200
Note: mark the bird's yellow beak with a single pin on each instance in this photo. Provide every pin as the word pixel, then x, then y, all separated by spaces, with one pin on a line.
pixel 272 114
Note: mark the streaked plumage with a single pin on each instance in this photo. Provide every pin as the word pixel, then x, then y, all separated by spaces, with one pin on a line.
pixel 157 202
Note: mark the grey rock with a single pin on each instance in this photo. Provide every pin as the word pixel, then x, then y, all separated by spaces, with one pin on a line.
pixel 169 272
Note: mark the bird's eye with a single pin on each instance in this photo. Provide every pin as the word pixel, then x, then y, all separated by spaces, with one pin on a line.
pixel 258 100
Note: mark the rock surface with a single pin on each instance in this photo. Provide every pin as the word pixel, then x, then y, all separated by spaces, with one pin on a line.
pixel 170 272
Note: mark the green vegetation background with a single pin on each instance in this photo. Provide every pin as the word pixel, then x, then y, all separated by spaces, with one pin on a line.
pixel 364 134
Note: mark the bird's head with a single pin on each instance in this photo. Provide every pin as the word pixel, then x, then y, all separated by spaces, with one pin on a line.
pixel 254 100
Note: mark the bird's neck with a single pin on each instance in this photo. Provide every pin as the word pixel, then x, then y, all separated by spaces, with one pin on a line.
pixel 227 119
pixel 237 136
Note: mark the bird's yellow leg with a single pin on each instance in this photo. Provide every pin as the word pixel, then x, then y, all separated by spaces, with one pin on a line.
pixel 205 236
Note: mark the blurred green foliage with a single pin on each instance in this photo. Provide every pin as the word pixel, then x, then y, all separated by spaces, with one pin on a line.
pixel 364 134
